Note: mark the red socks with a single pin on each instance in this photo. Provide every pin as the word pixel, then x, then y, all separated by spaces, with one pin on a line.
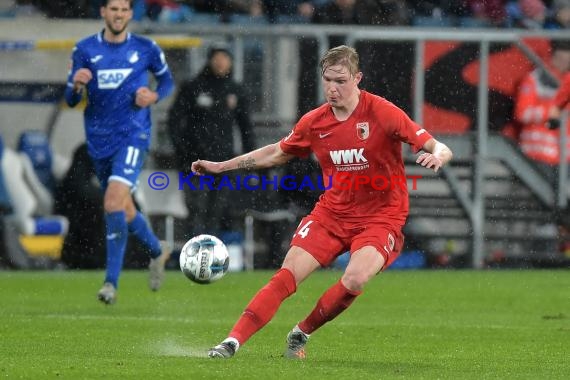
pixel 332 303
pixel 264 305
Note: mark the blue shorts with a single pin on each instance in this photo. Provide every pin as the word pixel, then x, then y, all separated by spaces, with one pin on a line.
pixel 124 166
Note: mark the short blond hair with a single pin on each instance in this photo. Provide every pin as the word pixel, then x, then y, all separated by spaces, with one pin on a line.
pixel 341 55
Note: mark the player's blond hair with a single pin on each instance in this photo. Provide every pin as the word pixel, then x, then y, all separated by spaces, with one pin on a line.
pixel 341 55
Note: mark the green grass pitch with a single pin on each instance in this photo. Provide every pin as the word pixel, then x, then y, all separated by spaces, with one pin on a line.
pixel 406 325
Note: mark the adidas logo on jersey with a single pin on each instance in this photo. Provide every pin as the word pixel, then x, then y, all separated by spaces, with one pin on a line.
pixel 111 79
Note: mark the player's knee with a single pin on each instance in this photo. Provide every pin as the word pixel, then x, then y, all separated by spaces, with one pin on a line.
pixel 113 204
pixel 130 210
pixel 355 280
pixel 116 200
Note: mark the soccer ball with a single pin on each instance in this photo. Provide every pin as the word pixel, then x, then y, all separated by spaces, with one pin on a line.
pixel 204 259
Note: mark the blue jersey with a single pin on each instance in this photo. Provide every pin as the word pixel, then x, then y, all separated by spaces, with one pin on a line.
pixel 112 119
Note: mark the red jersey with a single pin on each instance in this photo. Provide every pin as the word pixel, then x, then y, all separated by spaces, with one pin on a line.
pixel 367 144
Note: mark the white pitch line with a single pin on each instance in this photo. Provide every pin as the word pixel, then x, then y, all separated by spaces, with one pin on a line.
pixel 342 323
pixel 125 318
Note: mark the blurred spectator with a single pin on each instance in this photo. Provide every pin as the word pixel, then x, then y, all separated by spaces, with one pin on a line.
pixel 382 12
pixel 254 8
pixel 225 8
pixel 65 8
pixel 490 12
pixel 154 8
pixel 19 8
pixel 290 10
pixel 439 8
pixel 526 14
pixel 534 100
pixel 560 18
pixel 169 11
pixel 201 122
pixel 208 6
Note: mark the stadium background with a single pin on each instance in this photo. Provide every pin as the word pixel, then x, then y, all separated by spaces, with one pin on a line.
pixel 491 209
pixel 490 205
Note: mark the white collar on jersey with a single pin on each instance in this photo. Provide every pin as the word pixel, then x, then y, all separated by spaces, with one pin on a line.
pixel 100 36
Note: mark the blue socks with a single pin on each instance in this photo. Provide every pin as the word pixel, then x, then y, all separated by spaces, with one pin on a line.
pixel 141 229
pixel 116 244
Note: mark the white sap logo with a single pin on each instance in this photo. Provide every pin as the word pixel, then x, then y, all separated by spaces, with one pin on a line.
pixel 348 156
pixel 111 79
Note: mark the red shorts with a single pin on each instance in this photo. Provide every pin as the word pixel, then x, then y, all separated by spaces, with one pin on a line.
pixel 326 238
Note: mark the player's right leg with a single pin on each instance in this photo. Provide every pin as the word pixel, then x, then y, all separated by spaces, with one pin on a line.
pixel 364 264
pixel 297 266
pixel 324 239
pixel 116 228
pixel 296 341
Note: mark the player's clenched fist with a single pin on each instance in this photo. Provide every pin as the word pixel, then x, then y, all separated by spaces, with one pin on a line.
pixel 145 97
pixel 201 167
pixel 80 79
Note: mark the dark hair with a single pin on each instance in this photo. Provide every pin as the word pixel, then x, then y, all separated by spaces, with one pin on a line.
pixel 219 49
pixel 560 45
pixel 105 2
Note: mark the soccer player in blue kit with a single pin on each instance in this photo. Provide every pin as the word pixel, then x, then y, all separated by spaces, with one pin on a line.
pixel 112 67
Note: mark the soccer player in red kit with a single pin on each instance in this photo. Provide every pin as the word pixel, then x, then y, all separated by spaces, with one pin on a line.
pixel 353 132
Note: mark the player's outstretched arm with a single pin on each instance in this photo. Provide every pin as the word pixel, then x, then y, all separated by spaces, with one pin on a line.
pixel 437 155
pixel 262 158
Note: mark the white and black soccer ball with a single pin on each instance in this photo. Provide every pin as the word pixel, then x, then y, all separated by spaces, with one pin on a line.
pixel 204 259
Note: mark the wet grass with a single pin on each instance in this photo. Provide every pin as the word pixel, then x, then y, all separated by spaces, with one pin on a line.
pixel 418 324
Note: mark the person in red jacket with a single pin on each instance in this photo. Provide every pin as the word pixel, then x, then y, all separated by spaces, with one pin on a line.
pixel 535 106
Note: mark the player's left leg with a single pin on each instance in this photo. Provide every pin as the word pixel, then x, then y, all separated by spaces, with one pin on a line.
pixel 159 251
pixel 364 264
pixel 298 264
